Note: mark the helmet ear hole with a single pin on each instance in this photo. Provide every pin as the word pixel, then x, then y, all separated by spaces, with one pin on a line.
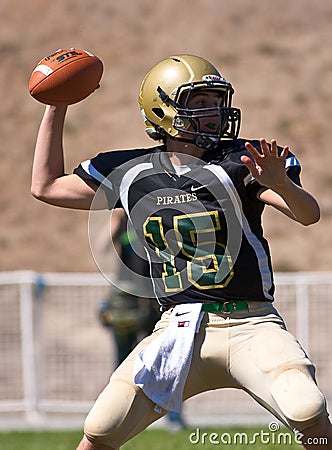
pixel 158 112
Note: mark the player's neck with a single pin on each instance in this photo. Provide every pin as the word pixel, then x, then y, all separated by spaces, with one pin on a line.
pixel 181 153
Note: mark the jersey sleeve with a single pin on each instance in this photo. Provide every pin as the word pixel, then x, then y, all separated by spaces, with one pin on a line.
pixel 107 169
pixel 98 170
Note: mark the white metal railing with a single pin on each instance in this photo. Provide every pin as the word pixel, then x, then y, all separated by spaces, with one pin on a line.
pixel 56 356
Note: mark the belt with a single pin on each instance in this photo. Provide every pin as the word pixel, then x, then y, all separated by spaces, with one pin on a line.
pixel 225 307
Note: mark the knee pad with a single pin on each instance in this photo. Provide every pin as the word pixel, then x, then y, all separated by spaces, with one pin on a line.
pixel 298 397
pixel 96 432
pixel 103 423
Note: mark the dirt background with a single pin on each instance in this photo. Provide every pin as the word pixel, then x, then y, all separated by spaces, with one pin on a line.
pixel 277 54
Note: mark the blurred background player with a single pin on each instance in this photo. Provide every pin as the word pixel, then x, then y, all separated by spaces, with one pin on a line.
pixel 126 316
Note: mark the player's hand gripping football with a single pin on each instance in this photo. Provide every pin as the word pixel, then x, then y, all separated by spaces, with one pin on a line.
pixel 267 167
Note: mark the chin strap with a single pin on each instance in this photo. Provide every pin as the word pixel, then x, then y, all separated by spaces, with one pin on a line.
pixel 205 142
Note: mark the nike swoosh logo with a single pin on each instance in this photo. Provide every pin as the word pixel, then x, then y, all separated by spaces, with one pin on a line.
pixel 196 188
pixel 181 314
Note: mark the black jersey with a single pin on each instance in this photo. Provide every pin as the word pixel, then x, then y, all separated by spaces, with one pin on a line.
pixel 200 224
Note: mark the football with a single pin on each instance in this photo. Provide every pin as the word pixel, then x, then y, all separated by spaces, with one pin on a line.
pixel 65 77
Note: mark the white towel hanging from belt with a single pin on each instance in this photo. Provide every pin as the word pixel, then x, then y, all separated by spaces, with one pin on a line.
pixel 161 368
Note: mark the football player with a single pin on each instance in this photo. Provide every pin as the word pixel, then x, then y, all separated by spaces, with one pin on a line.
pixel 195 201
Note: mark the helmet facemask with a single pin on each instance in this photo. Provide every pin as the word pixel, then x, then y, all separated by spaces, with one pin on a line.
pixel 194 125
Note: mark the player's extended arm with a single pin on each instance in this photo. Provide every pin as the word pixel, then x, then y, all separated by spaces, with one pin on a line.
pixel 49 181
pixel 268 168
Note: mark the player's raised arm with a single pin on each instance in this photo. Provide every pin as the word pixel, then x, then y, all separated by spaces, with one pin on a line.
pixel 268 168
pixel 62 78
pixel 49 181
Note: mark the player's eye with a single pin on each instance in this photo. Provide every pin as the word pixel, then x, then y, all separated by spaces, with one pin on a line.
pixel 199 103
pixel 206 101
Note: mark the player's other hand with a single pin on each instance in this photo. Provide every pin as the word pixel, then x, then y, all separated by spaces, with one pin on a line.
pixel 267 167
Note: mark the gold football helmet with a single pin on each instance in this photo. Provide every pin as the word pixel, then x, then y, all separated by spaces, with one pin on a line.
pixel 164 96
